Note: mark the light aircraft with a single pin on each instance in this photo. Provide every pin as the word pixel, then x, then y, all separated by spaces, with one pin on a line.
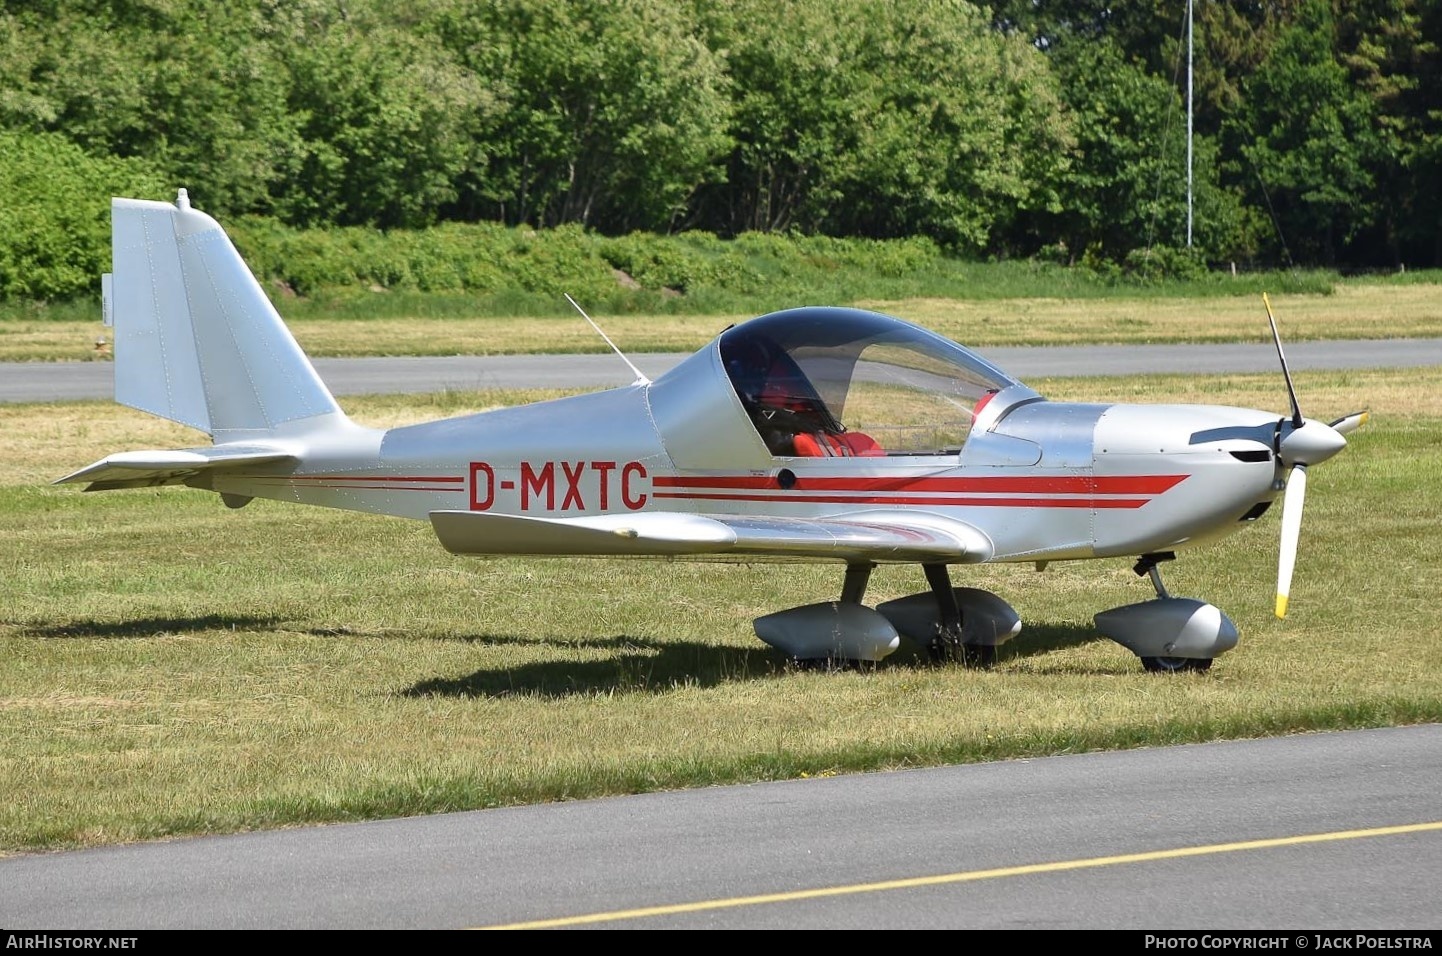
pixel 816 433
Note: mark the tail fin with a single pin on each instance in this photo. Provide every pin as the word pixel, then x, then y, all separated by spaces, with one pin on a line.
pixel 196 339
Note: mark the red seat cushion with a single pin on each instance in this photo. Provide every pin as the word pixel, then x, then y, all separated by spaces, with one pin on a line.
pixel 808 447
pixel 847 445
pixel 862 446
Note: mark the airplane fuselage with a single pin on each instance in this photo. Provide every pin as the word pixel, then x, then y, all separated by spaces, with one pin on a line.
pixel 1047 481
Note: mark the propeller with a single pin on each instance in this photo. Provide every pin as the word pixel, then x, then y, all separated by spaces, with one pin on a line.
pixel 1300 442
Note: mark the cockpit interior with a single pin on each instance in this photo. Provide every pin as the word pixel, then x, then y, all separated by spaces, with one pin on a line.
pixel 830 382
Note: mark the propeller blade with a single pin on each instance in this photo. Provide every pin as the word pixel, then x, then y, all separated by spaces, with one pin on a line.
pixel 1347 424
pixel 1291 530
pixel 1286 373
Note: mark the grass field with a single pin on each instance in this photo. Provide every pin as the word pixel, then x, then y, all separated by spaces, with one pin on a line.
pixel 174 667
pixel 1355 310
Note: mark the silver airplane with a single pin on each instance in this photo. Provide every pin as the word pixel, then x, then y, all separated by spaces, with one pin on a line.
pixel 822 434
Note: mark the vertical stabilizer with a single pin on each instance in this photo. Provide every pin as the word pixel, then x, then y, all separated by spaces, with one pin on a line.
pixel 196 339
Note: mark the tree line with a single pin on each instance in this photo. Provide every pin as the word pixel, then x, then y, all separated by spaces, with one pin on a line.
pixel 1029 128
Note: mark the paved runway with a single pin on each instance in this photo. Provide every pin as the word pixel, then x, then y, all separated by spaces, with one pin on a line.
pixel 1297 835
pixel 60 381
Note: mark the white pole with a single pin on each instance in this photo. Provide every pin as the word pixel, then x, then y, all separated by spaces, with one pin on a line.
pixel 1189 124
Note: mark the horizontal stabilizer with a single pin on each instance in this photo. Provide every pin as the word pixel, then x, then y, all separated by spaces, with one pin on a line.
pixel 146 469
pixel 657 534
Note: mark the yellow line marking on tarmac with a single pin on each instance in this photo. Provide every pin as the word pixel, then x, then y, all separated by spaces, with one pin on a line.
pixel 965 877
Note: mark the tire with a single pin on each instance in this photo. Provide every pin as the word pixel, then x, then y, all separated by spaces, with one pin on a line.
pixel 1176 665
pixel 978 655
pixel 832 665
pixel 967 655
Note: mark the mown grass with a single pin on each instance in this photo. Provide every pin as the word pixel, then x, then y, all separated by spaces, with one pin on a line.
pixel 402 323
pixel 173 667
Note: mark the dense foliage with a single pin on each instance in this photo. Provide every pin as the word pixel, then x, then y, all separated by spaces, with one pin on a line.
pixel 1031 127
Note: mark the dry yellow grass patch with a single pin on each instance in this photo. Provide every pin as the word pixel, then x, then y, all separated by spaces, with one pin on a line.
pixel 75 341
pixel 1351 312
pixel 1401 393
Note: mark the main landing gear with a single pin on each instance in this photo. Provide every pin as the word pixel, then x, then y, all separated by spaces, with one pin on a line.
pixel 948 641
pixel 961 625
pixel 1169 634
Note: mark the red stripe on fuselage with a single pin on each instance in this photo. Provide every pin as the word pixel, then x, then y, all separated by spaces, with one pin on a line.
pixel 917 500
pixel 429 483
pixel 1020 484
pixel 434 479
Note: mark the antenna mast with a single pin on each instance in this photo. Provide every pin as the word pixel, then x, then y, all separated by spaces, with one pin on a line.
pixel 640 378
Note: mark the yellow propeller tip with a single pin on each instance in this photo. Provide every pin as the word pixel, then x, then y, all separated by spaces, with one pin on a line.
pixel 1281 605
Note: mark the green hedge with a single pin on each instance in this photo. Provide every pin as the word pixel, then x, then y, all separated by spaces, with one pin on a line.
pixel 55 214
pixel 55 243
pixel 490 259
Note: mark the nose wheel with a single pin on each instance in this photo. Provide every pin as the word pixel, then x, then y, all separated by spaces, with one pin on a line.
pixel 1150 566
pixel 1175 665
pixel 1169 635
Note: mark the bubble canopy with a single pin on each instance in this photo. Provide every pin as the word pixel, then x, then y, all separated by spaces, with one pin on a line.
pixel 825 371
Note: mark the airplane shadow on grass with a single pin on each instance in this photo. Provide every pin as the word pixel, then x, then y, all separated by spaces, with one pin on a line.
pixel 151 626
pixel 650 666
pixel 639 665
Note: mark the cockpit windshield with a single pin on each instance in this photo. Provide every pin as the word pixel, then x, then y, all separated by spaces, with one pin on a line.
pixel 846 382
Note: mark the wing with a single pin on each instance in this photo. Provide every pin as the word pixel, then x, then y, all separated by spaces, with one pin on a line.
pixel 145 469
pixel 869 536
